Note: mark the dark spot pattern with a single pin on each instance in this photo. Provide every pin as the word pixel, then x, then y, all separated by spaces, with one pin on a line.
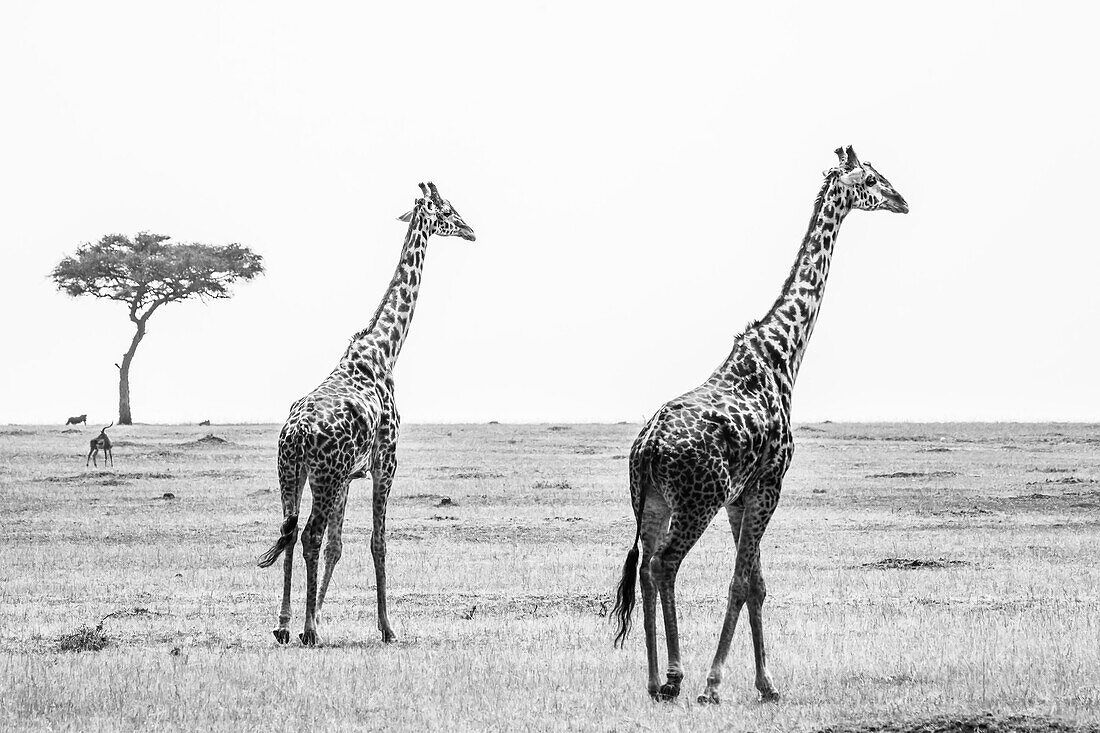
pixel 727 444
pixel 348 427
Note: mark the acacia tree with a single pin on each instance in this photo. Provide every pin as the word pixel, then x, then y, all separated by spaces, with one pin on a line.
pixel 147 272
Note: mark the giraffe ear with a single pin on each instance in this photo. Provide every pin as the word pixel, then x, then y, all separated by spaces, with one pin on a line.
pixel 406 217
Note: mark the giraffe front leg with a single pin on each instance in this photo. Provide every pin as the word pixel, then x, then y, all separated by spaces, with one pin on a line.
pixel 383 480
pixel 733 609
pixel 757 592
pixel 746 588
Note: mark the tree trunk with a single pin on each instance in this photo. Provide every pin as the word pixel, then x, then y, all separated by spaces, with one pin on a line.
pixel 124 417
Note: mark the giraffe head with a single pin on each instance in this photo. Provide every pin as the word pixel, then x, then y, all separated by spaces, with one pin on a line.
pixel 442 218
pixel 868 189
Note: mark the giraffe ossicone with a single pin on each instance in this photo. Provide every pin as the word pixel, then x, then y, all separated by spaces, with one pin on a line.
pixel 728 443
pixel 348 427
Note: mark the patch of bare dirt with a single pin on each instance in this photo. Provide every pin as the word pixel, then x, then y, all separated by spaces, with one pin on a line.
pixel 899 438
pixel 987 723
pixel 91 479
pixel 475 474
pixel 1063 480
pixel 914 474
pixel 967 512
pixel 904 563
pixel 468 606
pixel 105 479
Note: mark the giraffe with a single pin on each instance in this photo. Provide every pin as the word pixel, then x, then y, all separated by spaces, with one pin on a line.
pixel 728 443
pixel 348 426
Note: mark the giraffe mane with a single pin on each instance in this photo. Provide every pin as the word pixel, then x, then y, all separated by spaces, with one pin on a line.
pixel 393 283
pixel 830 176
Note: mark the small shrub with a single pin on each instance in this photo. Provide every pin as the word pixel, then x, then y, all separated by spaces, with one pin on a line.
pixel 84 639
pixel 562 484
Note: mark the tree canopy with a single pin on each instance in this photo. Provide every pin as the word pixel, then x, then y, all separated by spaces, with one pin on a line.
pixel 147 271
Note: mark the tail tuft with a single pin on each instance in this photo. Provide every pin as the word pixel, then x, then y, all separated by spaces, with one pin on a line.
pixel 624 597
pixel 286 538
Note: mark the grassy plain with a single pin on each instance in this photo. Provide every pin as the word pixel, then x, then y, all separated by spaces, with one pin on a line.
pixel 499 597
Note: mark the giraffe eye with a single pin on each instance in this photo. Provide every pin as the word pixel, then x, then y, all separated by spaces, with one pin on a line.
pixel 871 180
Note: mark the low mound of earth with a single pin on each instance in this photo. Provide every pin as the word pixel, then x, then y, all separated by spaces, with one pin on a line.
pixel 987 723
pixel 905 563
pixel 208 439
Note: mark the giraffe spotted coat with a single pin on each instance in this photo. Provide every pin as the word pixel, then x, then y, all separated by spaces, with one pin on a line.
pixel 348 426
pixel 728 443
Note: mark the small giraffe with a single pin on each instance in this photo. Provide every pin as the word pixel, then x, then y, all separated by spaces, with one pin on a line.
pixel 728 443
pixel 100 443
pixel 348 426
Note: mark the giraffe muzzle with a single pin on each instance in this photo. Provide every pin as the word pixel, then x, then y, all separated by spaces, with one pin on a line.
pixel 897 204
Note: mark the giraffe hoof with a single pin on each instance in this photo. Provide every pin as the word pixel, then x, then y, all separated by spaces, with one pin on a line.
pixel 668 692
pixel 308 638
pixel 708 698
pixel 388 637
pixel 769 696
pixel 281 635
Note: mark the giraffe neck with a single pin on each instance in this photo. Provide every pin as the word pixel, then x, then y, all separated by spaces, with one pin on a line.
pixel 780 337
pixel 381 341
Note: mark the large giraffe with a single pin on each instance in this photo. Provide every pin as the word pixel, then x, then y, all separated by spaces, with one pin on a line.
pixel 348 427
pixel 728 443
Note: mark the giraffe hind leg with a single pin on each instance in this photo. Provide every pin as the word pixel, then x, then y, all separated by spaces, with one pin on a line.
pixel 312 535
pixel 655 518
pixel 292 479
pixel 684 531
pixel 335 544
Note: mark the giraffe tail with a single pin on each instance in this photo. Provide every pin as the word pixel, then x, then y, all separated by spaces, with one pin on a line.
pixel 288 533
pixel 624 595
pixel 286 538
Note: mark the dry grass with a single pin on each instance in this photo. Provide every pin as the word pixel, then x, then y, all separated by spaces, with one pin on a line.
pixel 912 572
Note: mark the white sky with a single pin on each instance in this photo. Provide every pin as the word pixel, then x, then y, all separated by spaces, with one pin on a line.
pixel 639 179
